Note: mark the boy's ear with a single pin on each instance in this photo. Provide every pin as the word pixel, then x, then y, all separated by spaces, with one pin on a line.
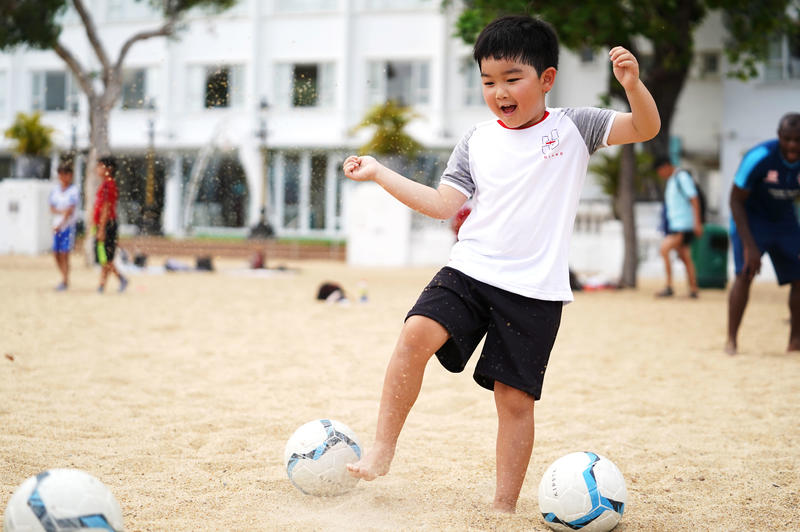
pixel 547 78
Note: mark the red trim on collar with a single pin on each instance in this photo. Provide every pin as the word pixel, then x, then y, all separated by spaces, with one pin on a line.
pixel 546 114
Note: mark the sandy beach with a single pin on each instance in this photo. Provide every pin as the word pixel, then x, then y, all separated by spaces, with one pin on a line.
pixel 180 395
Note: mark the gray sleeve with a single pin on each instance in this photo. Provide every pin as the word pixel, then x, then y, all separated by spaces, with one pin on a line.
pixel 593 123
pixel 457 173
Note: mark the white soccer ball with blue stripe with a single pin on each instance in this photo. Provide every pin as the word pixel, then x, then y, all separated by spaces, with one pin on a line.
pixel 61 500
pixel 582 491
pixel 317 454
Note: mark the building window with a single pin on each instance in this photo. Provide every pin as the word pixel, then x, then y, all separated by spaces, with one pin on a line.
pixel 121 10
pixel 783 59
pixel 586 54
pixel 471 83
pixel 305 85
pixel 709 65
pixel 3 89
pixel 405 82
pixel 134 88
pixel 51 90
pixel 397 4
pixel 300 6
pixel 291 191
pixel 212 87
pixel 317 191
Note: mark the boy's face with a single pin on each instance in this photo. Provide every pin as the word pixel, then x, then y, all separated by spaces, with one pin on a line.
pixel 102 171
pixel 65 177
pixel 665 170
pixel 514 91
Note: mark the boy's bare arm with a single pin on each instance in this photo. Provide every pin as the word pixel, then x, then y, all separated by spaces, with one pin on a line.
pixel 441 203
pixel 643 122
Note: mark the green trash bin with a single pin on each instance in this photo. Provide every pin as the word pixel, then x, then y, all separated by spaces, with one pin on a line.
pixel 710 256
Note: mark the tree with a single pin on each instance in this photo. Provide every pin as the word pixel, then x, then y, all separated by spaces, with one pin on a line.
pixel 33 142
pixel 36 24
pixel 389 121
pixel 668 26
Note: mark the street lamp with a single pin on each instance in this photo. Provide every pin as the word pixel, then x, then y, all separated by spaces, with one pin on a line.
pixel 150 223
pixel 74 113
pixel 263 229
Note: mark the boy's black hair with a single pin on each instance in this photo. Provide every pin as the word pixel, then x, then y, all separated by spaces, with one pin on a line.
pixel 522 38
pixel 110 162
pixel 660 161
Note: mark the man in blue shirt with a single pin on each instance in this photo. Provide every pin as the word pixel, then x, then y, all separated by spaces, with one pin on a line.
pixel 764 220
pixel 683 222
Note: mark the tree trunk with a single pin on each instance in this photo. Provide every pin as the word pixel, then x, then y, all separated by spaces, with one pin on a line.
pixel 625 207
pixel 99 146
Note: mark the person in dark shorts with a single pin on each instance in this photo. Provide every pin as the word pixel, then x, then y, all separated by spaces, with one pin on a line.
pixel 105 222
pixel 683 222
pixel 508 273
pixel 764 220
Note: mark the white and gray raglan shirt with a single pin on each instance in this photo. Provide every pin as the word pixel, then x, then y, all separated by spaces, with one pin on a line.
pixel 525 185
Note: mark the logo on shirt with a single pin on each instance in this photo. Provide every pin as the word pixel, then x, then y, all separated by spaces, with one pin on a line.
pixel 772 177
pixel 550 145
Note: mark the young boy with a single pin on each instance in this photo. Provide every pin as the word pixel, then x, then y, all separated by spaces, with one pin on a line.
pixel 105 222
pixel 507 277
pixel 64 199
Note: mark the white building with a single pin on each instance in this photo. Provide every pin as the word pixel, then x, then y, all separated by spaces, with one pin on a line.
pixel 320 65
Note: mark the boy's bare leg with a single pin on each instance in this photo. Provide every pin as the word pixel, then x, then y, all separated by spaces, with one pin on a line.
pixel 685 253
pixel 63 266
pixel 104 273
pixel 515 431
pixel 419 340
pixel 737 301
pixel 667 246
pixel 794 312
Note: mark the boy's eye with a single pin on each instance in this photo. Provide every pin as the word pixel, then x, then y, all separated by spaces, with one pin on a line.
pixel 488 83
pixel 512 80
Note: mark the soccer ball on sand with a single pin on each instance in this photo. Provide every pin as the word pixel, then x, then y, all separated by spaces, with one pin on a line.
pixel 582 491
pixel 317 455
pixel 62 500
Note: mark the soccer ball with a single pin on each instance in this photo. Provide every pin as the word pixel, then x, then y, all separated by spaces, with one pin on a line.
pixel 316 457
pixel 60 500
pixel 582 491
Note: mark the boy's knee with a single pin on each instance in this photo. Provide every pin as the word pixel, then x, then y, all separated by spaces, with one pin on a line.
pixel 513 401
pixel 422 334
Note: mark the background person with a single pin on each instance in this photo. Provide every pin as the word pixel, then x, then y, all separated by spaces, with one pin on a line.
pixel 764 220
pixel 64 200
pixel 683 223
pixel 105 222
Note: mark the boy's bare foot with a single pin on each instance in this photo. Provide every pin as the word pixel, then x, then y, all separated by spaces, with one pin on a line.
pixel 504 508
pixel 374 464
pixel 730 347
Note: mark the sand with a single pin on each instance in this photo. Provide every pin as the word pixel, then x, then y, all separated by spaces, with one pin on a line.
pixel 181 393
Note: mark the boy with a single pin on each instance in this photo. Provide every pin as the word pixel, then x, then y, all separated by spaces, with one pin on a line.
pixel 763 219
pixel 105 222
pixel 64 199
pixel 684 222
pixel 507 277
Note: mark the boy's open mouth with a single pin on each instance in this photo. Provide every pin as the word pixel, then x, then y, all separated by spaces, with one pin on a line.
pixel 508 109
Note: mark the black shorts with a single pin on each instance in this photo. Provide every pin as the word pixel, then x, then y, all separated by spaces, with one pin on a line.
pixel 520 331
pixel 688 236
pixel 110 242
